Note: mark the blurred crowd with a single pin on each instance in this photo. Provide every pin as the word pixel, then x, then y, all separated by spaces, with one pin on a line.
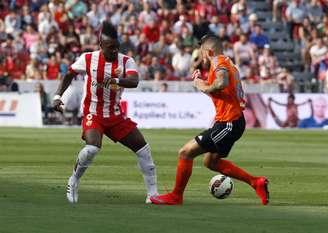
pixel 41 38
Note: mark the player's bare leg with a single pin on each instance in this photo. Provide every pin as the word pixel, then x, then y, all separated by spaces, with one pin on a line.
pixel 184 169
pixel 136 142
pixel 93 139
pixel 215 162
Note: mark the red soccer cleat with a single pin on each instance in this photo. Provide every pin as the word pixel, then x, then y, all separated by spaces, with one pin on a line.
pixel 261 187
pixel 167 199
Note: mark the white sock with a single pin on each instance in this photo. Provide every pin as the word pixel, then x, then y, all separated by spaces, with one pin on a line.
pixel 84 159
pixel 148 169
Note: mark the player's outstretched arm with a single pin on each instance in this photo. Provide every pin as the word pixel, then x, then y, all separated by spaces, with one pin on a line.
pixel 63 85
pixel 221 81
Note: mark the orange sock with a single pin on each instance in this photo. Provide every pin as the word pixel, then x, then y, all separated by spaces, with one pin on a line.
pixel 229 169
pixel 184 170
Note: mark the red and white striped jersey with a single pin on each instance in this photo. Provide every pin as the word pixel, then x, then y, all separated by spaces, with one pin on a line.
pixel 101 98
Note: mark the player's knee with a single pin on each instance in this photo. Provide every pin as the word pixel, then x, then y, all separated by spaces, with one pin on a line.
pixel 185 152
pixel 87 154
pixel 207 162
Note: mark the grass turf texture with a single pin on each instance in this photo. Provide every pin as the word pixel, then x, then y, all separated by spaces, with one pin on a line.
pixel 35 165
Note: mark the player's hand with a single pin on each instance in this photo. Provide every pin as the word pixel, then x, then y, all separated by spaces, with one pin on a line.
pixel 198 82
pixel 118 71
pixel 196 74
pixel 57 105
pixel 310 100
pixel 270 99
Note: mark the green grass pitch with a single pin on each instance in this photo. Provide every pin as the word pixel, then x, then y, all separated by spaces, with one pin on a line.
pixel 35 165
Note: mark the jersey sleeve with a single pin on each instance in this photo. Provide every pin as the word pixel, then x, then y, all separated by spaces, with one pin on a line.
pixel 221 66
pixel 79 66
pixel 131 67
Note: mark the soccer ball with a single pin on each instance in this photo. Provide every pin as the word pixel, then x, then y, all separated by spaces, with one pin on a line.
pixel 221 186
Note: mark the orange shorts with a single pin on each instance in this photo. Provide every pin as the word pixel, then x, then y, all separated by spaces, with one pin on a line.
pixel 116 127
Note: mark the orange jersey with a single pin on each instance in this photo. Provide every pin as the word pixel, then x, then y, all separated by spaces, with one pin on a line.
pixel 229 102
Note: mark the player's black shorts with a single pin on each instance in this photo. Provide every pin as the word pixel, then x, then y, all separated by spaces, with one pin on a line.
pixel 221 137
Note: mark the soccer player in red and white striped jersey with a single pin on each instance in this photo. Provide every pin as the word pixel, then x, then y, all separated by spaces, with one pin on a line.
pixel 107 73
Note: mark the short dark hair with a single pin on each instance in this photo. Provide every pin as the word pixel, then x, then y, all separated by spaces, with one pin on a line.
pixel 109 30
pixel 211 40
pixel 292 96
pixel 208 37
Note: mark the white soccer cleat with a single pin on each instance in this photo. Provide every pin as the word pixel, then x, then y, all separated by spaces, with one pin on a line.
pixel 72 190
pixel 148 201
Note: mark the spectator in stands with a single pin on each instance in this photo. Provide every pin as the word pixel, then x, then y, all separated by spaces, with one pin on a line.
pixel 238 9
pixel 318 52
pixel 12 23
pixel 258 38
pixel 3 33
pixel 130 13
pixel 267 64
pixel 45 101
pixel 32 71
pixel 279 4
pixel 38 49
pixel 126 45
pixel 143 46
pixel 147 14
pixel 314 11
pixel 30 36
pixel 3 85
pixel 61 17
pixel 27 18
pixel 46 25
pixel 323 74
pixel 251 25
pixel 35 5
pixel 182 22
pixel 95 17
pixel 88 39
pixel 7 48
pixel 222 34
pixel 215 25
pixel 188 39
pixel 295 14
pixel 200 27
pixel 323 26
pixel 250 76
pixel 286 81
pixel 174 46
pixel 155 67
pixel 52 69
pixel 244 52
pixel 163 87
pixel 181 63
pixel 44 13
pixel 160 48
pixel 151 31
pixel 75 8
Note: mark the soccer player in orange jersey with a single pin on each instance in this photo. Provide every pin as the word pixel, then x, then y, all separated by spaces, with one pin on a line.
pixel 224 87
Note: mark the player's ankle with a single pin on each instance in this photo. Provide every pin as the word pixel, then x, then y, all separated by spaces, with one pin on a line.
pixel 177 195
pixel 253 182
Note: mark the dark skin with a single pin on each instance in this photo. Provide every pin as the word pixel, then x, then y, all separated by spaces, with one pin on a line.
pixel 109 48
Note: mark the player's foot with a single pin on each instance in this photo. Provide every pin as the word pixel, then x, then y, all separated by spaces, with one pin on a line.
pixel 148 201
pixel 72 190
pixel 261 186
pixel 167 199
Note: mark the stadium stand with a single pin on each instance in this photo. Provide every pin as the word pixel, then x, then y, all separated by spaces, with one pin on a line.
pixel 40 38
